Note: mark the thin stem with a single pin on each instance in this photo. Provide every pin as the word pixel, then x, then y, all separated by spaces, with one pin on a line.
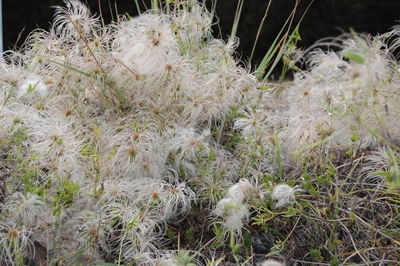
pixel 236 20
pixel 259 29
pixel 138 7
pixel 87 45
pixel 154 6
pixel 101 13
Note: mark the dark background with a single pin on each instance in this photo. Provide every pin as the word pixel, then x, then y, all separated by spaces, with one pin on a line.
pixel 324 18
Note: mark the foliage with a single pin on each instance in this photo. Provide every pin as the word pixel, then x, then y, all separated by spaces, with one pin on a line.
pixel 146 142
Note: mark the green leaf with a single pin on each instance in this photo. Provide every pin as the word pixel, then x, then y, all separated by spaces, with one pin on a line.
pixel 354 137
pixel 316 254
pixel 216 262
pixel 31 88
pixel 354 57
pixel 334 262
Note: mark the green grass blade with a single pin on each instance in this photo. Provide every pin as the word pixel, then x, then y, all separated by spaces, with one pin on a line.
pixel 213 7
pixel 293 37
pixel 87 74
pixel 138 7
pixel 154 6
pixel 283 41
pixel 236 20
pixel 271 51
pixel 278 155
pixel 354 57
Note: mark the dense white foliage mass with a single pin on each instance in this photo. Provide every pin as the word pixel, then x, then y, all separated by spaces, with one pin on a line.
pixel 111 133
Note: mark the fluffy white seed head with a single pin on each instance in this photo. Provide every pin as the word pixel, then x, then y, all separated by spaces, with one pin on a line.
pixel 346 99
pixel 252 123
pixel 74 20
pixel 381 160
pixel 284 194
pixel 24 208
pixel 10 234
pixel 31 86
pixel 241 190
pixel 146 44
pixel 234 213
pixel 272 262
